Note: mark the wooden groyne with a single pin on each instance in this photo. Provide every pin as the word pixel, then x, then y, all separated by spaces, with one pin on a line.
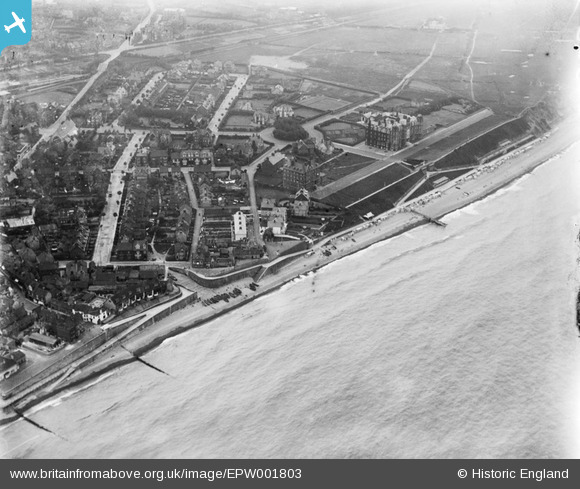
pixel 430 219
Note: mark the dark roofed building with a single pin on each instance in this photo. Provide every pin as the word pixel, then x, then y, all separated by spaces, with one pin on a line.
pixel 298 174
pixel 124 251
pixel 41 295
pixel 104 277
pixel 67 330
pixel 147 274
pixel 8 367
pixel 159 157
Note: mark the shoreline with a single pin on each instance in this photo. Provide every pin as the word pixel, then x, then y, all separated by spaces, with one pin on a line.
pixel 92 373
pixel 146 341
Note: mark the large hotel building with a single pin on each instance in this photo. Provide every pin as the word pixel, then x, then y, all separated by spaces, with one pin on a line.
pixel 391 130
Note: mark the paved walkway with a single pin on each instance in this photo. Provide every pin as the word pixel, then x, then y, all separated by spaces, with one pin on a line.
pixel 108 227
pixel 199 210
pixel 228 100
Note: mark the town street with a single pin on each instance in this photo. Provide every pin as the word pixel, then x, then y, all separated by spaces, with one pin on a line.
pixel 226 103
pixel 104 243
pixel 198 210
pixel 149 86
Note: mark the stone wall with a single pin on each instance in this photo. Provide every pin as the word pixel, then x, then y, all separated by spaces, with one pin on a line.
pixel 215 282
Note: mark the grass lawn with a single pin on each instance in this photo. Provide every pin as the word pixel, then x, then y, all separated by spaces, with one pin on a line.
pixel 345 164
pixel 370 184
pixel 438 149
pixel 385 200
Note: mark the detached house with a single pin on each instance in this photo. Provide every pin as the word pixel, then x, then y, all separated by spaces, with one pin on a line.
pixel 301 203
pixel 118 95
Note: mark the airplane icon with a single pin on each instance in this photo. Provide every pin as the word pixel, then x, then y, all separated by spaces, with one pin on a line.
pixel 17 23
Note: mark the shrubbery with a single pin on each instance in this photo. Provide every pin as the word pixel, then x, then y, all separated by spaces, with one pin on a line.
pixel 289 129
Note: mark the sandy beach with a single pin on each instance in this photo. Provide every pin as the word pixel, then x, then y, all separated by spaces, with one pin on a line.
pixel 454 195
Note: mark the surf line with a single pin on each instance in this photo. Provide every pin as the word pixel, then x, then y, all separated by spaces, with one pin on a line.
pixel 139 359
pixel 21 415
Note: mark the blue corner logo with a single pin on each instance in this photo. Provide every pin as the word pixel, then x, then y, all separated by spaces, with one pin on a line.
pixel 15 22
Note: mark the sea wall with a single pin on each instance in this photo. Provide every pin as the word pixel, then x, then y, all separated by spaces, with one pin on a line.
pixel 57 369
pixel 180 304
pixel 275 267
pixel 219 281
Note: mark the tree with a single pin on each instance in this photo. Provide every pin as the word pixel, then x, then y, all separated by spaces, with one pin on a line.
pixel 289 129
pixel 130 118
pixel 269 234
pixel 45 211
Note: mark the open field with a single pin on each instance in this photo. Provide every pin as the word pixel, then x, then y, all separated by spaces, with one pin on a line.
pixel 423 87
pixel 55 96
pixel 316 92
pixel 343 94
pixel 161 51
pixel 411 15
pixel 133 60
pixel 377 73
pixel 350 39
pixel 193 20
pixel 40 73
pixel 419 94
pixel 242 54
pixel 512 64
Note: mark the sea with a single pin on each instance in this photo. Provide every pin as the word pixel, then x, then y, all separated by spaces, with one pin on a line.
pixel 440 343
